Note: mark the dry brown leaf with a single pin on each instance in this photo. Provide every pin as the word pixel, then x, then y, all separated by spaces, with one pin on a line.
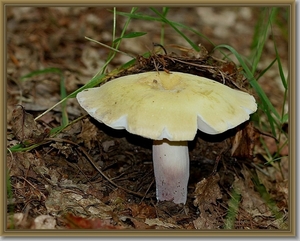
pixel 77 203
pixel 142 210
pixel 89 134
pixel 251 201
pixel 139 224
pixel 18 163
pixel 244 140
pixel 67 150
pixel 23 221
pixel 207 192
pixel 25 128
pixel 17 221
pixel 44 222
pixel 206 221
pixel 75 222
pixel 116 197
pixel 159 223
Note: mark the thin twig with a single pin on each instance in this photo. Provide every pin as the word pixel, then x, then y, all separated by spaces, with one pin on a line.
pixel 95 166
pixel 42 194
pixel 147 191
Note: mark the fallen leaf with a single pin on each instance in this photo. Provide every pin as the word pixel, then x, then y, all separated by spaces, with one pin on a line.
pixel 26 129
pixel 44 222
pixel 17 221
pixel 142 210
pixel 76 203
pixel 75 222
pixel 89 134
pixel 67 150
pixel 107 144
pixel 158 222
pixel 207 192
pixel 140 224
pixel 251 201
pixel 206 221
pixel 244 140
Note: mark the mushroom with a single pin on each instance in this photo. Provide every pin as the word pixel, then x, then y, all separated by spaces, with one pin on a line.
pixel 168 108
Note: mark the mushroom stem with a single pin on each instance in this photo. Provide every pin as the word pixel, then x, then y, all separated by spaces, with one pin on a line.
pixel 171 170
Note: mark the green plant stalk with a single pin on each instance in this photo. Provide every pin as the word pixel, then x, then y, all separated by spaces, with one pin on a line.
pixel 267 198
pixel 162 30
pixel 39 72
pixel 9 194
pixel 280 68
pixel 266 69
pixel 109 47
pixel 267 106
pixel 195 46
pixel 55 131
pixel 94 81
pixel 116 46
pixel 261 35
pixel 233 206
pixel 269 155
pixel 130 35
pixel 284 82
pixel 173 24
pixel 285 15
pixel 63 94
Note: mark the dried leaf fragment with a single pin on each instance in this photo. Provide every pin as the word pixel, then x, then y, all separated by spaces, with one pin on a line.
pixel 89 134
pixel 75 222
pixel 207 192
pixel 158 222
pixel 244 140
pixel 26 129
pixel 44 222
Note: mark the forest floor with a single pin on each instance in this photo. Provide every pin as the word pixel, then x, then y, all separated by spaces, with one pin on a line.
pixel 56 185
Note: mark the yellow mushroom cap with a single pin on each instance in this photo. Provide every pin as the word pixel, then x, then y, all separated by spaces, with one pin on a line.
pixel 174 105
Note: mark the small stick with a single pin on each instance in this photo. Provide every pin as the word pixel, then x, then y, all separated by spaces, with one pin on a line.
pixel 95 166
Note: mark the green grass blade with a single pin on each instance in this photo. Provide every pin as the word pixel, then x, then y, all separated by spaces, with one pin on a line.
pixel 283 17
pixel 94 81
pixel 43 71
pixel 10 195
pixel 251 79
pixel 194 46
pixel 233 206
pixel 150 18
pixel 162 31
pixel 109 47
pixel 261 35
pixel 266 69
pixel 280 68
pixel 19 147
pixel 117 44
pixel 165 11
pixel 63 91
pixel 63 95
pixel 130 35
pixel 267 106
pixel 266 197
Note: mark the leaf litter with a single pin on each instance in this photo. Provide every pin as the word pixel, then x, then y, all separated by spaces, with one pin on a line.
pixel 91 177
